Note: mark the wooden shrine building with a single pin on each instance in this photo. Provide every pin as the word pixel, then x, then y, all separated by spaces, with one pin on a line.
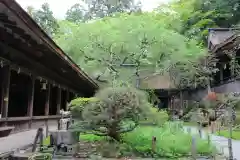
pixel 161 84
pixel 37 78
pixel 222 43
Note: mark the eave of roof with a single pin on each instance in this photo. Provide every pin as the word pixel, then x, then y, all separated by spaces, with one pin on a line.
pixel 217 47
pixel 36 29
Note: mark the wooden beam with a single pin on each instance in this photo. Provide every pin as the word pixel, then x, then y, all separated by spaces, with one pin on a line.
pixel 5 92
pixel 59 99
pixel 31 90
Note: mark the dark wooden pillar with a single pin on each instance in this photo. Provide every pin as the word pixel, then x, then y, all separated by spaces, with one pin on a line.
pixel 31 90
pixel 59 100
pixel 2 97
pixel 67 99
pixel 5 90
pixel 31 96
pixel 221 73
pixel 48 91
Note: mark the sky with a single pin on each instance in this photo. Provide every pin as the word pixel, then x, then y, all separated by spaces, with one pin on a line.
pixel 60 7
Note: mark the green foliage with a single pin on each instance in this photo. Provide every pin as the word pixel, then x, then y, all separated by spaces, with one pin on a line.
pixel 117 110
pixel 77 106
pixel 102 46
pixel 155 117
pixel 196 16
pixel 75 13
pixel 91 137
pixel 95 9
pixel 171 142
pixel 235 134
pixel 230 99
pixel 44 18
pixel 194 73
pixel 101 8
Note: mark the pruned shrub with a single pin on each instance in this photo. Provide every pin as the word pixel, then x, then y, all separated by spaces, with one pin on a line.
pixel 118 110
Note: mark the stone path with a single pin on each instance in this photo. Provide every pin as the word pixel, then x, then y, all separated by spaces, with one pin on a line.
pixel 18 140
pixel 220 142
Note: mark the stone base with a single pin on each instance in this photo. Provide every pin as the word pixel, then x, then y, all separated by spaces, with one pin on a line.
pixel 68 150
pixel 66 137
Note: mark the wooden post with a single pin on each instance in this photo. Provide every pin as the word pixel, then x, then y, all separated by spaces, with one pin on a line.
pixel 221 74
pixel 194 149
pixel 208 139
pixel 39 135
pixel 181 100
pixel 67 99
pixel 154 141
pixel 5 90
pixel 212 127
pixel 2 99
pixel 31 99
pixel 230 133
pixel 47 100
pixel 200 129
pixel 189 130
pixel 219 128
pixel 59 100
pixel 48 92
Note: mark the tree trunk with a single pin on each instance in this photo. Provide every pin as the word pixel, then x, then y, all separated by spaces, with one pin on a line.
pixel 112 132
pixel 114 135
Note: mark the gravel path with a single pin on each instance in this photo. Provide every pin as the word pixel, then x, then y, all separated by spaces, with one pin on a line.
pixel 220 142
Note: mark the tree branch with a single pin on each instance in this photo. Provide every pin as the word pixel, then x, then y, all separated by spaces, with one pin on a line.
pixel 129 129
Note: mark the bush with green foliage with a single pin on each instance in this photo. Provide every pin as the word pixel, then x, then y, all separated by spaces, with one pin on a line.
pixel 172 142
pixel 118 110
pixel 77 105
pixel 155 117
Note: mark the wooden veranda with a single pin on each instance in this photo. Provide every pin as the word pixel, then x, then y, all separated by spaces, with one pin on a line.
pixel 37 78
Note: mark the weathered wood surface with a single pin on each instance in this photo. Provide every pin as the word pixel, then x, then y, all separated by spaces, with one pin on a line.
pixel 5 131
pixel 39 136
pixel 6 128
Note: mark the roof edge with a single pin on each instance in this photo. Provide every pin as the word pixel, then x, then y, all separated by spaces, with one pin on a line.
pixel 36 29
